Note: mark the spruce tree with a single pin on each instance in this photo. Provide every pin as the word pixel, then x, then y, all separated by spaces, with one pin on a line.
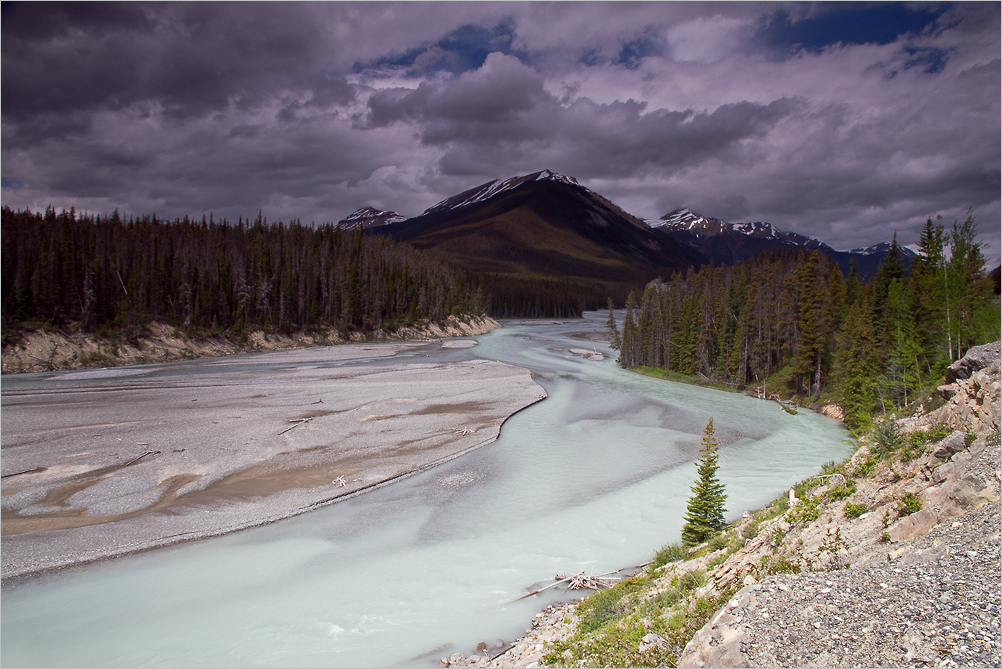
pixel 705 513
pixel 611 324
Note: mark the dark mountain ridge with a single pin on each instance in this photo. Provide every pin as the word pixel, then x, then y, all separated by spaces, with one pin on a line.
pixel 545 230
pixel 730 243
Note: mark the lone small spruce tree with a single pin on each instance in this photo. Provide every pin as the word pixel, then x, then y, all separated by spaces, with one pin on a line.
pixel 705 513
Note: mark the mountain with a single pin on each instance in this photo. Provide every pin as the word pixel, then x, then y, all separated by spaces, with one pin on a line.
pixel 729 243
pixel 545 231
pixel 369 217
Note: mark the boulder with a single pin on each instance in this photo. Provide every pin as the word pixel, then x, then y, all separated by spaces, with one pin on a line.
pixel 947 392
pixel 955 443
pixel 978 357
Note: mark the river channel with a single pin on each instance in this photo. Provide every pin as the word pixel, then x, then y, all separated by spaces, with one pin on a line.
pixel 593 478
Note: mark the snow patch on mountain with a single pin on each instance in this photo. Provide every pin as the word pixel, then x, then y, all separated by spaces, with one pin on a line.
pixel 686 220
pixel 497 187
pixel 883 248
pixel 369 217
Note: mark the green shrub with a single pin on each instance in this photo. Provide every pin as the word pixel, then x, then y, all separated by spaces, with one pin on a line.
pixel 841 491
pixel 884 537
pixel 806 510
pixel 669 553
pixel 691 580
pixel 831 467
pixel 888 437
pixel 854 510
pixel 718 542
pixel 602 607
pixel 865 468
pixel 909 504
pixel 781 565
pixel 659 602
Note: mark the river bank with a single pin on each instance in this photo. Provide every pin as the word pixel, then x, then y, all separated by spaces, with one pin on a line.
pixel 47 350
pixel 100 463
pixel 586 480
pixel 890 559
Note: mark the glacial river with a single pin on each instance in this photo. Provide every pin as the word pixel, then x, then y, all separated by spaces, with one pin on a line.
pixel 594 478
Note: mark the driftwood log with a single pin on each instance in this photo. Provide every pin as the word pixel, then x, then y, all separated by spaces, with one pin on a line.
pixel 582 581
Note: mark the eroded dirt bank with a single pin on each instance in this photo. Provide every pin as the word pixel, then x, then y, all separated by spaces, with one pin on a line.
pixel 48 350
pixel 98 463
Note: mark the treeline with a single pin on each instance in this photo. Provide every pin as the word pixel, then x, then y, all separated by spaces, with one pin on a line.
pixel 111 274
pixel 791 321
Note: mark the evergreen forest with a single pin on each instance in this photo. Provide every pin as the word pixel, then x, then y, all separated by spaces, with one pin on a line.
pixel 113 276
pixel 791 322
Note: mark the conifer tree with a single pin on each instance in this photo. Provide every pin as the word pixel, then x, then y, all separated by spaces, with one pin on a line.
pixel 705 512
pixel 855 364
pixel 611 324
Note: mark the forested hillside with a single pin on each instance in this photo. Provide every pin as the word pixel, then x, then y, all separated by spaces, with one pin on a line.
pixel 114 276
pixel 790 321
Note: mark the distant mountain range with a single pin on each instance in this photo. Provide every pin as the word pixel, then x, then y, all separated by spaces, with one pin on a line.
pixel 548 234
pixel 729 243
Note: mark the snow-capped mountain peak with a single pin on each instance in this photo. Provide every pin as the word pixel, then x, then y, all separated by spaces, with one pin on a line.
pixel 882 248
pixel 369 217
pixel 494 188
pixel 687 220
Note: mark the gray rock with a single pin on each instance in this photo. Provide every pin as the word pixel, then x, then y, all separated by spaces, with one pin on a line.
pixel 979 357
pixel 956 442
pixel 923 556
pixel 947 392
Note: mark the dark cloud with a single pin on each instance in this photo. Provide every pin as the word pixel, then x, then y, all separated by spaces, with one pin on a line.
pixel 502 112
pixel 192 58
pixel 45 20
pixel 843 121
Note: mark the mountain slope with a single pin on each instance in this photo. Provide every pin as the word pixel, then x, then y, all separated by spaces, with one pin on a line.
pixel 729 243
pixel 543 225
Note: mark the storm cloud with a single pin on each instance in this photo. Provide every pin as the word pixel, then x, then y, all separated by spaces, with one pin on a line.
pixel 845 122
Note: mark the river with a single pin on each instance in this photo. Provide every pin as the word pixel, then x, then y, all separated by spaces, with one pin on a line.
pixel 594 478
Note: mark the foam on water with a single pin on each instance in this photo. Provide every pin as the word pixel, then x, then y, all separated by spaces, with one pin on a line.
pixel 596 478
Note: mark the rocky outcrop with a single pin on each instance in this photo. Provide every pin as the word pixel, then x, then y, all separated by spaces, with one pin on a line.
pixel 885 583
pixel 554 623
pixel 46 351
pixel 978 357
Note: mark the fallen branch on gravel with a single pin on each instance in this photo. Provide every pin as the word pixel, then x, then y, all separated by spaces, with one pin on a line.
pixel 135 460
pixel 298 422
pixel 26 471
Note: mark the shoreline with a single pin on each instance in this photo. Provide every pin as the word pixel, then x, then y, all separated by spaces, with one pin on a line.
pixel 403 419
pixel 774 568
pixel 197 536
pixel 49 350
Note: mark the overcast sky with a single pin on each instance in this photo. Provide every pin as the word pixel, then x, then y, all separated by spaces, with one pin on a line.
pixel 841 121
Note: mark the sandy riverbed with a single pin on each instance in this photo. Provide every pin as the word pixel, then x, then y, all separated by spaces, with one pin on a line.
pixel 106 462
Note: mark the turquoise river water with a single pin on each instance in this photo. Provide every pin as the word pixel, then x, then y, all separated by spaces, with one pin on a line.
pixel 596 477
